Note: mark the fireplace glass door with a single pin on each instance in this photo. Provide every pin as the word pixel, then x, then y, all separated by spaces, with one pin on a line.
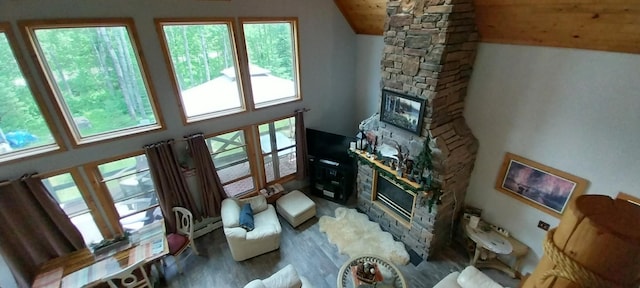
pixel 393 197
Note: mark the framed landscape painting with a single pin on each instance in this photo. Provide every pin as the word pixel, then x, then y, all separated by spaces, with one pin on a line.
pixel 538 185
pixel 628 197
pixel 403 111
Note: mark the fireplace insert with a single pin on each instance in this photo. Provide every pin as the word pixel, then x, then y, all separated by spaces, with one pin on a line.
pixel 398 200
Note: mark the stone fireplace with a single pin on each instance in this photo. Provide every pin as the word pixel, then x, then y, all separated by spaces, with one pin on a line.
pixel 430 47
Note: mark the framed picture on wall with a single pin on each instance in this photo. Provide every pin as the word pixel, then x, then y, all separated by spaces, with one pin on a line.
pixel 538 185
pixel 403 111
pixel 628 197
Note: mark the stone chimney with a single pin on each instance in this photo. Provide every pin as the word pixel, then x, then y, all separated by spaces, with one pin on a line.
pixel 430 46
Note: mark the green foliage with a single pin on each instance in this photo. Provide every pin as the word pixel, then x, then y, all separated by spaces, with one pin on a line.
pixel 19 110
pixel 97 73
pixel 199 53
pixel 269 45
pixel 423 160
pixel 383 172
pixel 435 197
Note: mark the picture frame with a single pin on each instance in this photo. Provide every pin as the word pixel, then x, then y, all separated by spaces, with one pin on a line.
pixel 545 188
pixel 628 197
pixel 403 111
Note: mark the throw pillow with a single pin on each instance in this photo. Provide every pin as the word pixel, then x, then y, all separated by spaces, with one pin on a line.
pixel 246 217
pixel 258 203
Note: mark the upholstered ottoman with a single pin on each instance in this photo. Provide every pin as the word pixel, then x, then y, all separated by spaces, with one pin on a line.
pixel 295 207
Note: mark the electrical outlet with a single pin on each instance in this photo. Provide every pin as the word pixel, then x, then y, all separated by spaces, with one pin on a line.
pixel 543 225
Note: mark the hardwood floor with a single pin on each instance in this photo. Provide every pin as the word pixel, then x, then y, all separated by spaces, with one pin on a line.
pixel 308 250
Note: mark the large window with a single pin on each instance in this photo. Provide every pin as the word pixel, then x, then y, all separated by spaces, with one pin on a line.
pixel 97 78
pixel 278 145
pixel 273 60
pixel 64 189
pixel 129 183
pixel 204 65
pixel 231 158
pixel 23 129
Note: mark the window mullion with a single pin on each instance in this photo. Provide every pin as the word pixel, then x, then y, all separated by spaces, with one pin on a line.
pixel 104 197
pixel 111 178
pixel 72 58
pixel 236 179
pixel 139 211
pixel 255 157
pixel 275 161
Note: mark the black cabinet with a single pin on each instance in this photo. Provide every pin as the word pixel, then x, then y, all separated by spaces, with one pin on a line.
pixel 332 180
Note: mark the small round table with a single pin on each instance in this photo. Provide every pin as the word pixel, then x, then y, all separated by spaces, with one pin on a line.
pixel 390 273
pixel 488 242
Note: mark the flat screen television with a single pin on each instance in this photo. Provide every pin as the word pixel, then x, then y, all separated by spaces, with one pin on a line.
pixel 328 146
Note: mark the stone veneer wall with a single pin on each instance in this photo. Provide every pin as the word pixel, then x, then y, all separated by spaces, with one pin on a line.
pixel 429 53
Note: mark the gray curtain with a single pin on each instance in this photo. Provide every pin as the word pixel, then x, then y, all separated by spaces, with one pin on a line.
pixel 171 185
pixel 34 230
pixel 301 146
pixel 208 180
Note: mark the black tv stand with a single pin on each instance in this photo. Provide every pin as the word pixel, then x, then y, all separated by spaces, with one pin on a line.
pixel 331 180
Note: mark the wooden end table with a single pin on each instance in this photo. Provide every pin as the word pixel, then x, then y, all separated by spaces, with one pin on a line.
pixel 273 197
pixel 490 242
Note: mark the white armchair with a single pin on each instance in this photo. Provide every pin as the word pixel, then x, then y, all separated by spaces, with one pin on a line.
pixel 286 277
pixel 470 277
pixel 265 237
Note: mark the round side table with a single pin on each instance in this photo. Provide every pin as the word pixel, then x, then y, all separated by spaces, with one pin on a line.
pixel 488 242
pixel 390 273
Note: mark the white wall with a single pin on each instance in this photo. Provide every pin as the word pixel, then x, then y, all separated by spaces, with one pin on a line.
pixel 574 110
pixel 368 75
pixel 6 278
pixel 327 59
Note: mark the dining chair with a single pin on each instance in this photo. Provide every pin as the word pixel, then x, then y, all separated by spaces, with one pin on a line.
pixel 133 276
pixel 183 237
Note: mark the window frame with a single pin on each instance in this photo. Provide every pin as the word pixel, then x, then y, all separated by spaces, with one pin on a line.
pixel 253 165
pixel 104 195
pixel 55 147
pixel 160 23
pixel 628 197
pixel 274 151
pixel 295 38
pixel 28 28
pixel 92 208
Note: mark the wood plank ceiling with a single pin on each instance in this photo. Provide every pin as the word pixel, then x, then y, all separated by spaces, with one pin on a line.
pixel 609 25
pixel 364 16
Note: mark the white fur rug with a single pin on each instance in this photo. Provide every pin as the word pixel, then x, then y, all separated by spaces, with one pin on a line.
pixel 355 235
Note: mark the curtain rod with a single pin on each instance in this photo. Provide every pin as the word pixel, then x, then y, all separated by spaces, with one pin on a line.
pixel 26 175
pixel 192 136
pixel 302 109
pixel 168 141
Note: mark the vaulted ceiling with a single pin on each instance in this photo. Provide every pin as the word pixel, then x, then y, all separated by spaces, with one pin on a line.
pixel 609 25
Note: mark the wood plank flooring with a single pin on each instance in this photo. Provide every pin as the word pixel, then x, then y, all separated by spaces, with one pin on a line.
pixel 308 250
